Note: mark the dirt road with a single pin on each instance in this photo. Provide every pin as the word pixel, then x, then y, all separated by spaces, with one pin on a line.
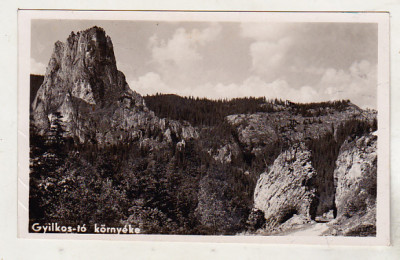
pixel 314 229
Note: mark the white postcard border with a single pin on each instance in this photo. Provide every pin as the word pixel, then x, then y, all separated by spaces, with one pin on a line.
pixel 383 197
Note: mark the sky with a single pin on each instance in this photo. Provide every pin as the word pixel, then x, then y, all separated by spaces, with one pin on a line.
pixel 301 62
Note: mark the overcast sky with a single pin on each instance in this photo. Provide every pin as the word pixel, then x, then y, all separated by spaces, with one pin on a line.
pixel 302 62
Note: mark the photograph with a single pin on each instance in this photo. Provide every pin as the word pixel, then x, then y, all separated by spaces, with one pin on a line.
pixel 203 125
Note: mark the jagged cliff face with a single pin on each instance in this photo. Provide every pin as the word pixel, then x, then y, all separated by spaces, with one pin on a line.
pixel 356 183
pixel 286 190
pixel 83 68
pixel 355 175
pixel 83 84
pixel 260 129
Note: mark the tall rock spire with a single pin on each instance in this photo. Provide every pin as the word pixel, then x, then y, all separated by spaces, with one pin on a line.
pixel 81 77
pixel 84 66
pixel 82 84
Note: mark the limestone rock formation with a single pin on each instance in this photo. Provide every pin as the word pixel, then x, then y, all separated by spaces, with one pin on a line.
pixel 286 190
pixel 355 182
pixel 82 84
pixel 261 128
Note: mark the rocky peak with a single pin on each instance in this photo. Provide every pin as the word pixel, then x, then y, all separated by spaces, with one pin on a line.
pixel 83 85
pixel 81 70
pixel 85 65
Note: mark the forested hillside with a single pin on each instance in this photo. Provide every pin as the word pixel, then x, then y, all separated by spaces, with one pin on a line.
pixel 170 188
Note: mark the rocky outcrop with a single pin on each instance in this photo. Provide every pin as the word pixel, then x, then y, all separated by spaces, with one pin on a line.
pixel 288 192
pixel 356 183
pixel 83 85
pixel 254 128
pixel 261 135
pixel 260 130
pixel 286 189
pixel 226 153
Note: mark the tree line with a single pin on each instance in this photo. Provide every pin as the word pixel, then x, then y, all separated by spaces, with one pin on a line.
pixel 207 112
pixel 203 111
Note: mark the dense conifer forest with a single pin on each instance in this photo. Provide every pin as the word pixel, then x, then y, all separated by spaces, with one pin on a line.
pixel 203 111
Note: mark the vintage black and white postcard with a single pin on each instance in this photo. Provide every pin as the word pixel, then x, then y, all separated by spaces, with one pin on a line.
pixel 204 126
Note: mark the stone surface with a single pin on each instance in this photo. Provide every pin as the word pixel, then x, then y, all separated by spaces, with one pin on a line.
pixel 259 133
pixel 285 189
pixel 262 129
pixel 83 84
pixel 355 175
